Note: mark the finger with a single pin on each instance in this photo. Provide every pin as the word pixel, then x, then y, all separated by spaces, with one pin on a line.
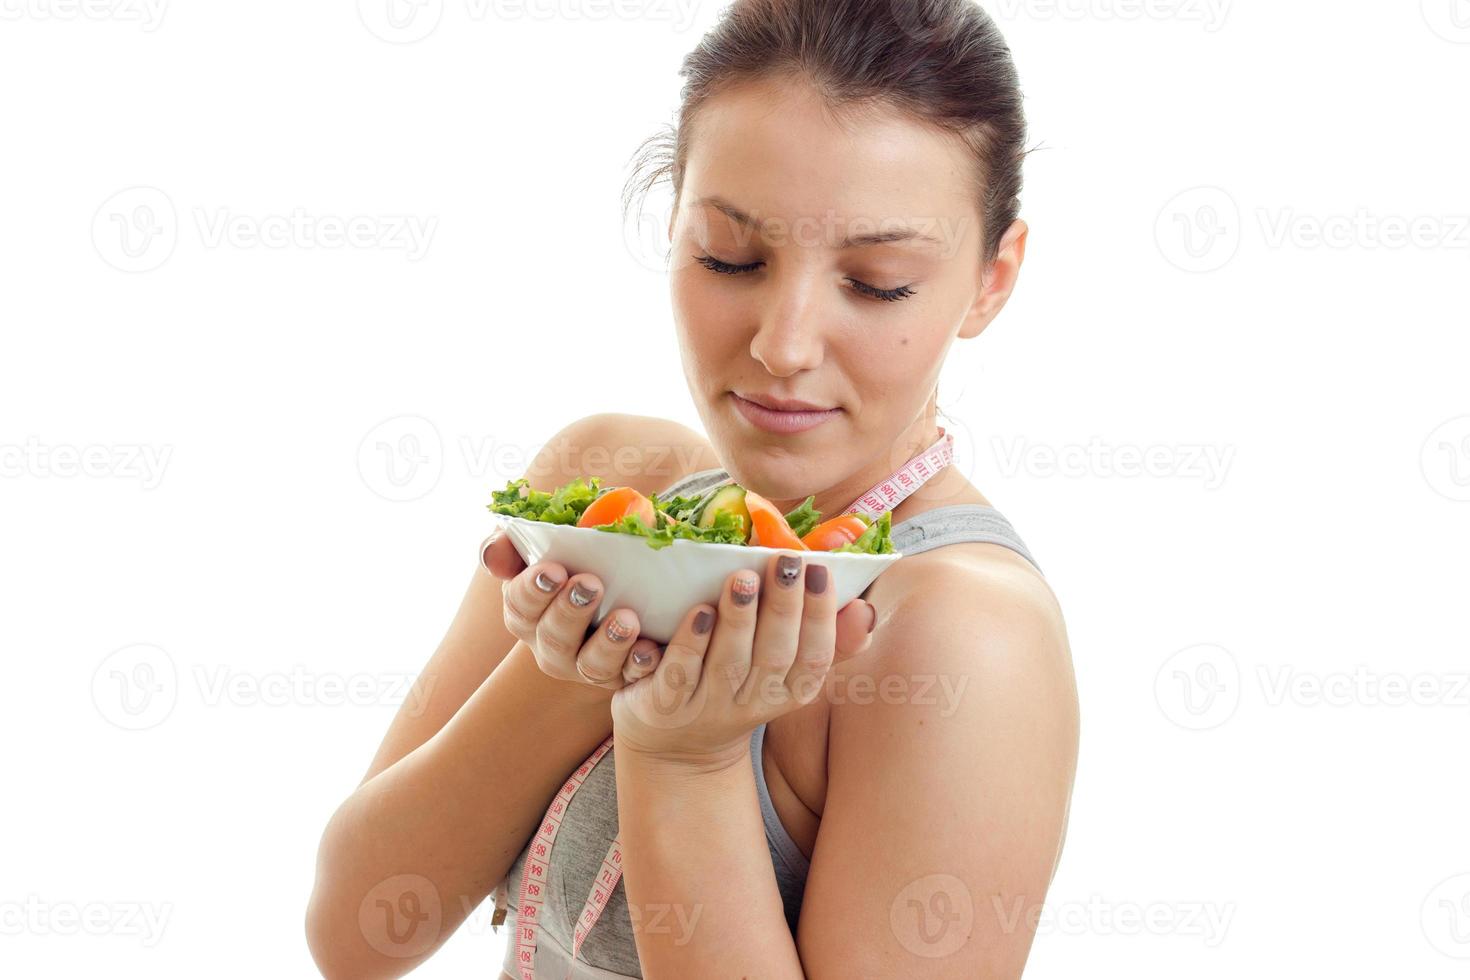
pixel 818 641
pixel 855 623
pixel 499 557
pixel 681 663
pixel 601 659
pixel 728 660
pixel 562 628
pixel 526 597
pixel 643 658
pixel 777 629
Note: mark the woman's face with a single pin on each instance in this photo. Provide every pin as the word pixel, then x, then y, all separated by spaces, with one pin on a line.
pixel 778 265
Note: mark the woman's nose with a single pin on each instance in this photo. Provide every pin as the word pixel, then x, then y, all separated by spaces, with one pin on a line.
pixel 791 335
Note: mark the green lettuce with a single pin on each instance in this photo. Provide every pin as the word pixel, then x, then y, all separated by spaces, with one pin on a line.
pixel 673 517
pixel 804 518
pixel 562 506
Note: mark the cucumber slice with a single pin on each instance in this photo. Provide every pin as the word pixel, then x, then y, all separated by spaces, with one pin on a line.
pixel 726 499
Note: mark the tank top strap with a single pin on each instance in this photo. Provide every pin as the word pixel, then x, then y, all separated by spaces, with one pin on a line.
pixel 695 484
pixel 958 523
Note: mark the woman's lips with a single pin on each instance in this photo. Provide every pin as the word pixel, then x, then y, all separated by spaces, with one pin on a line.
pixel 781 422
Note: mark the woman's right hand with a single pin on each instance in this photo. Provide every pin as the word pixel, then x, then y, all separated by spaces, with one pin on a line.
pixel 549 612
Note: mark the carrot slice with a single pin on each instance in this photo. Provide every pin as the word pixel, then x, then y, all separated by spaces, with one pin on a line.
pixel 835 533
pixel 770 529
pixel 616 504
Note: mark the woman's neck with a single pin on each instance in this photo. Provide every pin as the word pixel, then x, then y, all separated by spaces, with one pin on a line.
pixel 948 486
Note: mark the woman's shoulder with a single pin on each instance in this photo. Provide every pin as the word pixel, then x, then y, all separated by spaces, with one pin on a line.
pixel 986 571
pixel 970 606
pixel 645 452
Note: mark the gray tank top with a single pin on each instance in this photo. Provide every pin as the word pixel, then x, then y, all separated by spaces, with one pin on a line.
pixel 590 823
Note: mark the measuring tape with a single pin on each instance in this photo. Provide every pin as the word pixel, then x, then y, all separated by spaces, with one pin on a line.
pixel 536 871
pixel 909 477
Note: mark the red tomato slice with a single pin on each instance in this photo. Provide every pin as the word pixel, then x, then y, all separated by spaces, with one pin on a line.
pixel 770 529
pixel 616 504
pixel 835 533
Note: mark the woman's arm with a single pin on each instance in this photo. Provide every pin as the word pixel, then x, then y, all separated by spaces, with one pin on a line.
pixel 453 814
pixel 444 810
pixel 947 790
pixel 952 747
pixel 701 889
pixel 951 752
pixel 699 880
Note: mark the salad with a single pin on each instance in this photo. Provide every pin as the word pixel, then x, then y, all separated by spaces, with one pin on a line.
pixel 727 514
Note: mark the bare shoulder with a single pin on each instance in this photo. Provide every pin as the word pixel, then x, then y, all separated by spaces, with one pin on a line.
pixel 645 452
pixel 975 609
pixel 963 578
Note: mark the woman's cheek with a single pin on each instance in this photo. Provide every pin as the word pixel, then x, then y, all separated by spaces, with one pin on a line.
pixel 704 326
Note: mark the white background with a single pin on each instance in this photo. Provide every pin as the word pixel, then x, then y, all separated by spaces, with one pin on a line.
pixel 1268 623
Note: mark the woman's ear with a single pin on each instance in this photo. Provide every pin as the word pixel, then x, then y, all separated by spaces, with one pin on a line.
pixel 998 281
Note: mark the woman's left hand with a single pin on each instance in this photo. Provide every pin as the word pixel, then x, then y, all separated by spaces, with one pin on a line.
pixel 765 651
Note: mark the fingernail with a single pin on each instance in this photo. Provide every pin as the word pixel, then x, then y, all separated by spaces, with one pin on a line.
pixel 787 568
pixel 642 658
pixel 581 595
pixel 816 579
pixel 618 631
pixel 873 621
pixel 744 590
pixel 485 547
pixel 546 583
pixel 703 621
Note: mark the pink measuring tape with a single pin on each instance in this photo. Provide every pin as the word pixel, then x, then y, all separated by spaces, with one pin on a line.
pixel 536 871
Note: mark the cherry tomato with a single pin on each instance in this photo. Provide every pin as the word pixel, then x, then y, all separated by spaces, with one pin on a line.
pixel 770 527
pixel 835 533
pixel 616 504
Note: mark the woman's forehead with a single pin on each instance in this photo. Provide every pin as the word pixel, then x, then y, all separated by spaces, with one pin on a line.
pixel 783 156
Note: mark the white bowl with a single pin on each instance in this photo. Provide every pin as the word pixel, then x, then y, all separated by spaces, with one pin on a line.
pixel 661 585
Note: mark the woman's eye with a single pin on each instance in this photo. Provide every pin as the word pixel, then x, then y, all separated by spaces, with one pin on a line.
pixel 887 295
pixel 725 268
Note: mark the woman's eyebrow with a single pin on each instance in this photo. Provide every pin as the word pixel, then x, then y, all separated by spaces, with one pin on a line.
pixel 886 237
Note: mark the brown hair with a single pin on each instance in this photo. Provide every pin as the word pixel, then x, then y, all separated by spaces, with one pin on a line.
pixel 944 61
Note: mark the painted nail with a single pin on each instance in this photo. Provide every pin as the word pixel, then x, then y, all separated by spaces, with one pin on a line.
pixel 787 568
pixel 703 621
pixel 744 590
pixel 581 595
pixel 619 631
pixel 642 658
pixel 546 583
pixel 816 579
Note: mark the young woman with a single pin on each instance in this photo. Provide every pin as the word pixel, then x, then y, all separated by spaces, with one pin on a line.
pixel 798 790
